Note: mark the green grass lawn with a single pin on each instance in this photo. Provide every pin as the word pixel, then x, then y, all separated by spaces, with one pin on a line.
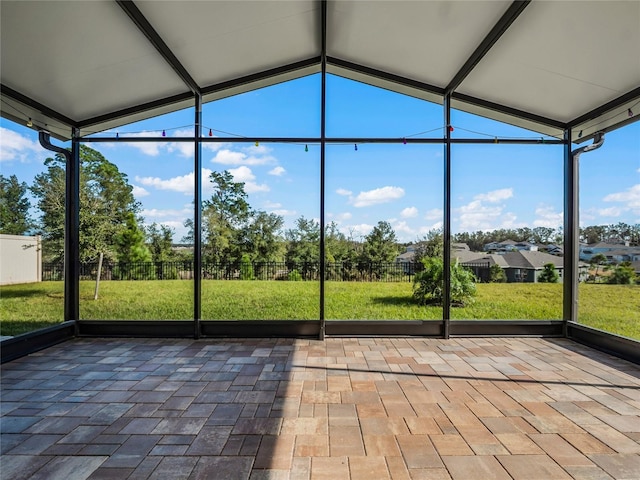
pixel 27 307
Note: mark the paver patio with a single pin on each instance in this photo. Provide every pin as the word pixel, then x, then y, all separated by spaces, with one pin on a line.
pixel 345 408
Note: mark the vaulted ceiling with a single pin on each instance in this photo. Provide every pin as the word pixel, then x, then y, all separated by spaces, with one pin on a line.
pixel 541 65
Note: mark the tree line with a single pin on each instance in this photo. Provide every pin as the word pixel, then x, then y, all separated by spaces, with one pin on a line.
pixel 233 231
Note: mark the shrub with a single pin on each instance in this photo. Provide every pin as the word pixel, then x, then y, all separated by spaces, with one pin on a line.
pixel 623 274
pixel 549 274
pixel 496 274
pixel 428 284
pixel 294 276
pixel 246 267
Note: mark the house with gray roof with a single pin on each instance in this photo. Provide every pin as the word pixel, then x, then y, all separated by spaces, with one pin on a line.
pixel 520 266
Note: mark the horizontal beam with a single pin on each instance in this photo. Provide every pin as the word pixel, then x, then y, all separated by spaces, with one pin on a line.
pixel 602 109
pixel 257 77
pixel 334 141
pixel 31 103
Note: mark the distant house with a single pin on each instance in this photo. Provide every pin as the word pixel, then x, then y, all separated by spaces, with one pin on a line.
pixel 615 252
pixel 554 249
pixel 509 246
pixel 522 266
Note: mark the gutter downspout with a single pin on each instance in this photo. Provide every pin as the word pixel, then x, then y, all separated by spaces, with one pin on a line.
pixel 71 224
pixel 572 229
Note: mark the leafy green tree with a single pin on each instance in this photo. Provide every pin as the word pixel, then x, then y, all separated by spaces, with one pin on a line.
pixel 133 254
pixel 379 248
pixel 261 237
pixel 431 245
pixel 14 206
pixel 542 235
pixel 496 274
pixel 597 260
pixel 160 242
pixel 623 274
pixel 224 216
pixel 549 274
pixel 303 246
pixel 380 244
pixel 106 200
pixel 428 285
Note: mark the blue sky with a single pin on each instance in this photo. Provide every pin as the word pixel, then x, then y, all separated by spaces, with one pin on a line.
pixel 493 186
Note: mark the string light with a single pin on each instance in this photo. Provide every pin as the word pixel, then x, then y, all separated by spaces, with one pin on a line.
pixel 404 141
pixel 257 143
pixel 164 134
pixel 495 140
pixel 580 134
pixel 355 145
pixel 117 135
pixel 210 133
pixel 450 128
pixel 630 113
pixel 306 148
pixel 29 123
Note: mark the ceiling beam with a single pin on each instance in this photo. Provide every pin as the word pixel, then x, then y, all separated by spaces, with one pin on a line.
pixel 390 77
pixel 602 109
pixel 129 111
pixel 514 112
pixel 156 40
pixel 513 12
pixel 31 103
pixel 256 77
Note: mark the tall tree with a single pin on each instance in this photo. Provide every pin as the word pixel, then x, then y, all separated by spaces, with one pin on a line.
pixel 14 206
pixel 261 237
pixel 303 242
pixel 380 245
pixel 224 216
pixel 106 200
pixel 160 241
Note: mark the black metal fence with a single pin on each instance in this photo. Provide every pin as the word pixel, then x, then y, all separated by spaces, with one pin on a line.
pixel 345 272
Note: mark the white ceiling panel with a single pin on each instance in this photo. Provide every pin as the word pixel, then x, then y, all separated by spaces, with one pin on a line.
pixel 560 64
pixel 562 59
pixel 426 41
pixel 81 59
pixel 222 40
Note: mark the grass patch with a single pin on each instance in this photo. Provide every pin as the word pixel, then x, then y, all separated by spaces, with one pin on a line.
pixel 23 308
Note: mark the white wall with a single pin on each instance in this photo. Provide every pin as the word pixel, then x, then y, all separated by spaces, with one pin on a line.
pixel 20 259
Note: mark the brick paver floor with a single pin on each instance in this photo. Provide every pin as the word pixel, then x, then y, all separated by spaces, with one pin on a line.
pixel 345 408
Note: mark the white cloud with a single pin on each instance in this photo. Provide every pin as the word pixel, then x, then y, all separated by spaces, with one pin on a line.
pixel 495 195
pixel 341 217
pixel 229 157
pixel 159 213
pixel 14 146
pixel 182 183
pixel 245 175
pixel 268 204
pixel 434 214
pixel 139 191
pixel 630 198
pixel 148 148
pixel 477 215
pixel 547 217
pixel 426 229
pixel 356 231
pixel 377 196
pixel 402 227
pixel 285 213
pixel 278 171
pixel 610 212
pixel 342 191
pixel 409 212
